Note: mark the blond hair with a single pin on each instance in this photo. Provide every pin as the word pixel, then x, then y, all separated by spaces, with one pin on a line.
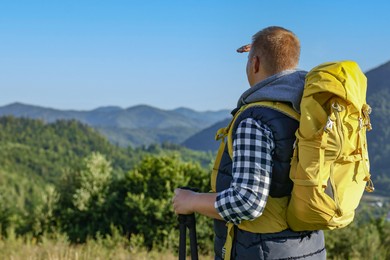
pixel 277 47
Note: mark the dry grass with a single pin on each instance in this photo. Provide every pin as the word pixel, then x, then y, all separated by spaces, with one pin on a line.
pixel 58 248
pixel 62 250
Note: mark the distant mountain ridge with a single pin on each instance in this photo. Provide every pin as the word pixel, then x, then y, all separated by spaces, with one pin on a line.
pixel 378 78
pixel 144 125
pixel 204 140
pixel 137 125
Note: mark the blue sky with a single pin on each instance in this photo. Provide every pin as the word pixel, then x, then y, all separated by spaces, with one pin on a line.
pixel 85 54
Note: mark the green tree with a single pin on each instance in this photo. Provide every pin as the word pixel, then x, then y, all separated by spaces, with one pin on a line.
pixel 367 237
pixel 143 198
pixel 82 199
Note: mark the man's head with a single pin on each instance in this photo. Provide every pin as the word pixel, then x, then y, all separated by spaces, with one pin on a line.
pixel 273 50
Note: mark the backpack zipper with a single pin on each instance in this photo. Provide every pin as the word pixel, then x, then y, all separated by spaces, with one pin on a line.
pixel 338 210
pixel 337 109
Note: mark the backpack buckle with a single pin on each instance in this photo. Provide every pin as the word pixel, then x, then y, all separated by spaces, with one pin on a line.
pixel 366 110
pixel 361 124
pixel 221 133
pixel 328 125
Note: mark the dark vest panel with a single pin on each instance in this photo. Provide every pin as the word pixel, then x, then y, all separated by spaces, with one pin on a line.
pixel 283 129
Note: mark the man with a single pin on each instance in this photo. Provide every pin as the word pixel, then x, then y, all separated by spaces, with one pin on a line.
pixel 252 186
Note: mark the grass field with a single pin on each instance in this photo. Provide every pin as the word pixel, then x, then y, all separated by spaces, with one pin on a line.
pixel 20 249
pixel 58 248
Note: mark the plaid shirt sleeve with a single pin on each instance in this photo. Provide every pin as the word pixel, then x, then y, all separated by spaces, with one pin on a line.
pixel 246 198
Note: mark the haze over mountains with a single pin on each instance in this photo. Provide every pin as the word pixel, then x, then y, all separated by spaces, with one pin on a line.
pixel 135 126
pixel 144 125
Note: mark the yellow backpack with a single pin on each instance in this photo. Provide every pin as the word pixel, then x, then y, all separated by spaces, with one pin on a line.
pixel 330 165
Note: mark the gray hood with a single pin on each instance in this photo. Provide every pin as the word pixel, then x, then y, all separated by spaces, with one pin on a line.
pixel 286 86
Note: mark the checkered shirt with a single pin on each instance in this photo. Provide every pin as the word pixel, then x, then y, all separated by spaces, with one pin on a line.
pixel 253 146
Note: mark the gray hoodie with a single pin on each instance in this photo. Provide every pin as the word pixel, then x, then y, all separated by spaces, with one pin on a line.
pixel 286 86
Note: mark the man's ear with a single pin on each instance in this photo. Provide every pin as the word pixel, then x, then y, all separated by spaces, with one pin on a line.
pixel 255 64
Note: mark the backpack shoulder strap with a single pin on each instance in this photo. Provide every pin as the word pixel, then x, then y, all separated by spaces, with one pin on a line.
pixel 228 132
pixel 278 106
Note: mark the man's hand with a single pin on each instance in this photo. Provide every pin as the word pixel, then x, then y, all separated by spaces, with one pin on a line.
pixel 182 201
pixel 187 202
pixel 244 48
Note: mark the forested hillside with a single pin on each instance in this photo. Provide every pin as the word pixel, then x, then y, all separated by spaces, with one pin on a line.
pixel 44 151
pixel 65 176
pixel 379 138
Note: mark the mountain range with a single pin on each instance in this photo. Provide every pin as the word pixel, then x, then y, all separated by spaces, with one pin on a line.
pixel 144 125
pixel 134 126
